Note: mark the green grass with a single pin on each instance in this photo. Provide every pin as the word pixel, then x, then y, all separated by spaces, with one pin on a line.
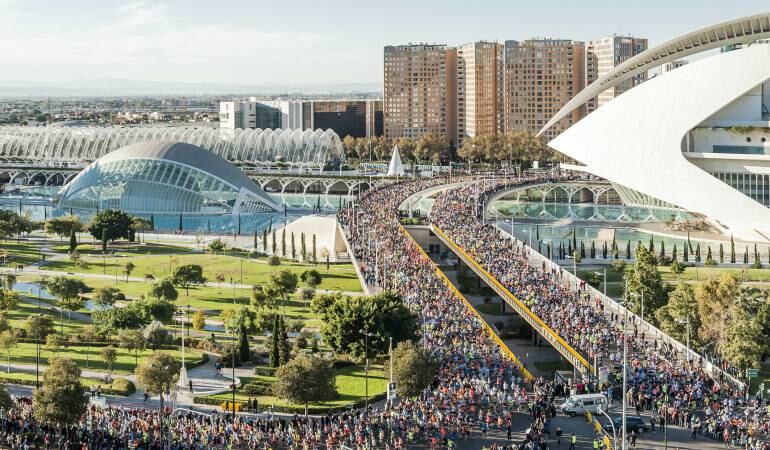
pixel 124 249
pixel 704 273
pixel 350 387
pixel 30 378
pixel 90 358
pixel 255 271
pixel 20 252
pixel 19 315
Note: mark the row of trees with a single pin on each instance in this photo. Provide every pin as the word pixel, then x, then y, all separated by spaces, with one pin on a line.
pixel 518 147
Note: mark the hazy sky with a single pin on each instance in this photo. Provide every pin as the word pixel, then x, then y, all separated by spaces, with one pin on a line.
pixel 301 41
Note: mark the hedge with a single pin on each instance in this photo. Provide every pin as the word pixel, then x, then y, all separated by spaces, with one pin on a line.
pixel 313 409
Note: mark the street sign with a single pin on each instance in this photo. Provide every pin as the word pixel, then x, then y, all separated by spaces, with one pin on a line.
pixel 752 373
pixel 391 391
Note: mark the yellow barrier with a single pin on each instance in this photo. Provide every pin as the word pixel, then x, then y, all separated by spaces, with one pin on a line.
pixel 526 373
pixel 578 357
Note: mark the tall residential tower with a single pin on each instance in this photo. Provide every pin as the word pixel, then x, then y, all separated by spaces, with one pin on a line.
pixel 603 55
pixel 420 91
pixel 479 89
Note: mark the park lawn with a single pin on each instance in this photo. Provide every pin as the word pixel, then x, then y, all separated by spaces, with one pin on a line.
pixel 22 252
pixel 255 271
pixel 28 378
pixel 17 316
pixel 350 387
pixel 124 249
pixel 90 358
pixel 704 273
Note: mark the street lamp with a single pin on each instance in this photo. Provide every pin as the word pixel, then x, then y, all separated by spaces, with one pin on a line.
pixel 367 335
pixel 686 322
pixel 605 279
pixel 612 424
pixel 638 295
pixel 233 350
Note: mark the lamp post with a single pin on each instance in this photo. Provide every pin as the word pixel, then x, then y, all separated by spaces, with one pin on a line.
pixel 625 369
pixel 612 424
pixel 233 350
pixel 367 335
pixel 604 272
pixel 640 296
pixel 686 322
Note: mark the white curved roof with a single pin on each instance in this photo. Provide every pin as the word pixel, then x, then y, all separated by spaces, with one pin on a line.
pixel 737 31
pixel 636 139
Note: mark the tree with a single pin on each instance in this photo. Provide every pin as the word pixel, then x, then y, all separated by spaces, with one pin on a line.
pixel 199 320
pixel 157 374
pixel 311 278
pixel 305 379
pixel 315 260
pixel 681 307
pixel 384 315
pixel 283 242
pixel 155 334
pixel 264 240
pixel 721 253
pixel 89 335
pixel 413 369
pixel 128 268
pixel 274 244
pixel 241 322
pixel 732 249
pixel 275 356
pixel 743 343
pixel 715 306
pixel 109 355
pixel 302 247
pixel 220 277
pixel 293 247
pixel 188 275
pixel 38 326
pixel 133 341
pixel 7 343
pixel 644 279
pixel 55 342
pixel 105 297
pixel 217 245
pixel 8 300
pixel 62 398
pixel 68 291
pixel 284 349
pixel 111 224
pixel 163 289
pixel 73 242
pixel 6 402
pixel 263 297
pixel 284 282
pixel 64 226
pixel 7 280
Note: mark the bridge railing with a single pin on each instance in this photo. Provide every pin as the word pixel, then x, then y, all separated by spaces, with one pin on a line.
pixel 492 333
pixel 538 259
pixel 566 350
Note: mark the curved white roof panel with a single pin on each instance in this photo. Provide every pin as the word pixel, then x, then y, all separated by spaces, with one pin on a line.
pixel 738 31
pixel 636 139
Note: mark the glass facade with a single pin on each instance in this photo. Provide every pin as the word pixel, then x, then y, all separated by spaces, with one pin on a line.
pixel 754 185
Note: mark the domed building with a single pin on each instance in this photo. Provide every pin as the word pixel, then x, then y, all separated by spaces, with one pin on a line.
pixel 164 178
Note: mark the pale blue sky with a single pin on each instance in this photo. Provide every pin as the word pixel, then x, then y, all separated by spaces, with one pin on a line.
pixel 300 41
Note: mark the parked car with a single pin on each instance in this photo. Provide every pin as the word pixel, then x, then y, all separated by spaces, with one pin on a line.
pixel 632 422
pixel 580 404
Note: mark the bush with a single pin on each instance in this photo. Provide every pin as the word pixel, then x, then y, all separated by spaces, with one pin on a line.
pixel 619 266
pixel 122 386
pixel 120 296
pixel 712 262
pixel 257 388
pixel 274 261
pixel 227 357
pixel 264 371
pixel 341 362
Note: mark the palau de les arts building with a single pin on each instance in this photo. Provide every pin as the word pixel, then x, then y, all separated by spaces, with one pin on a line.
pixel 694 137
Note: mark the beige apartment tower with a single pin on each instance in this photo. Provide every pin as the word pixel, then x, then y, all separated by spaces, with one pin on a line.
pixel 479 89
pixel 605 54
pixel 420 91
pixel 541 76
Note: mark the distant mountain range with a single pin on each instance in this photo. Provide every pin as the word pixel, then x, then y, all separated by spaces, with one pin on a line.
pixel 121 87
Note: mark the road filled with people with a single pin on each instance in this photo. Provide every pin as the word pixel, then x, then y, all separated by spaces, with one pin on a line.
pixel 659 380
pixel 477 389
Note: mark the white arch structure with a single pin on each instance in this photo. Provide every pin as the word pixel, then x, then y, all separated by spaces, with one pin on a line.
pixel 60 146
pixel 636 140
pixel 738 31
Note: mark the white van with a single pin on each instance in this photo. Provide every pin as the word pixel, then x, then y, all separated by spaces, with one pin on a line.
pixel 580 404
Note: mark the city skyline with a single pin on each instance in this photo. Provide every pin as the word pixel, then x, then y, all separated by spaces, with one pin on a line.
pixel 290 45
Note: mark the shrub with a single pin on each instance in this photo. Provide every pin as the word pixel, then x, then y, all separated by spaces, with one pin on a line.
pixel 711 262
pixel 264 371
pixel 122 386
pixel 257 388
pixel 619 266
pixel 227 357
pixel 342 362
pixel 274 261
pixel 120 296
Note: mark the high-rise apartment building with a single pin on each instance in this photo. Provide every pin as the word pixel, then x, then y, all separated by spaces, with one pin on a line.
pixel 420 91
pixel 605 54
pixel 541 75
pixel 479 89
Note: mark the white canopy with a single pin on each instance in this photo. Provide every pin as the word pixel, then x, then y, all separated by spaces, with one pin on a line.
pixel 395 168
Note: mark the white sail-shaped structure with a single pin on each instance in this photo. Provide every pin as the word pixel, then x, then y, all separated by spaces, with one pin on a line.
pixel 396 169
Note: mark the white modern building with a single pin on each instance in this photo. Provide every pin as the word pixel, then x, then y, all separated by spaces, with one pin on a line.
pixel 695 137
